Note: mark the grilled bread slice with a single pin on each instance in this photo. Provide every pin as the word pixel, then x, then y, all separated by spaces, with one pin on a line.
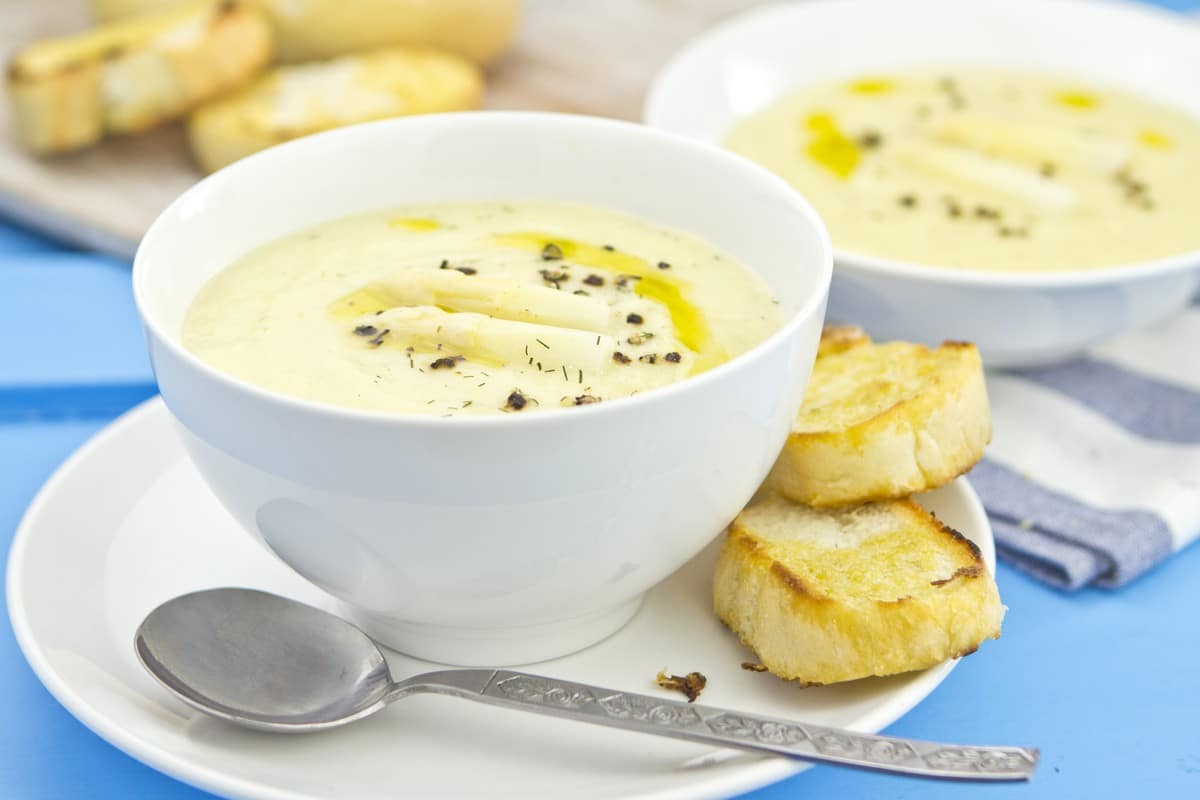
pixel 129 76
pixel 289 102
pixel 883 421
pixel 823 596
pixel 308 30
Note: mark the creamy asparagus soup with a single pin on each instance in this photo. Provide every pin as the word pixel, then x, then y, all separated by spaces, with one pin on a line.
pixel 986 169
pixel 478 308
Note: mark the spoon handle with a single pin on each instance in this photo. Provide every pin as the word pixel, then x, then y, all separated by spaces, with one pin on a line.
pixel 698 723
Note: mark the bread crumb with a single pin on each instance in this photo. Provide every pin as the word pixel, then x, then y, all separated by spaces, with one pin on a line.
pixel 753 666
pixel 691 685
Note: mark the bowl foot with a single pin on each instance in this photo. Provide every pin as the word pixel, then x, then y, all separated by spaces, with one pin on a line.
pixel 494 646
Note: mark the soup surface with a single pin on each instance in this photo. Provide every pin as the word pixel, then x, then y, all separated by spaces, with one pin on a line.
pixel 478 308
pixel 986 169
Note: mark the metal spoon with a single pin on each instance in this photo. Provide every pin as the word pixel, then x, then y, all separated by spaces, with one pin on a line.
pixel 265 662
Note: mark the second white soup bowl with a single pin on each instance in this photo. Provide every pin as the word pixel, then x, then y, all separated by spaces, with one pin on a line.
pixel 1018 319
pixel 504 539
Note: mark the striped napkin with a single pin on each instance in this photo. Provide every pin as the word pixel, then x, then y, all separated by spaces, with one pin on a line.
pixel 1093 474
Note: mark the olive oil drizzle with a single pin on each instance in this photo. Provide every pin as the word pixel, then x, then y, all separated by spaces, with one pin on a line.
pixel 416 223
pixel 361 301
pixel 829 146
pixel 691 328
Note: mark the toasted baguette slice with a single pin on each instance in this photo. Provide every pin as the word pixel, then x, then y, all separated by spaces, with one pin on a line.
pixel 309 30
pixel 833 595
pixel 881 421
pixel 289 102
pixel 129 76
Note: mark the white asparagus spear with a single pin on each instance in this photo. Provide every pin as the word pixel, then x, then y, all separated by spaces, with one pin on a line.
pixel 1030 142
pixel 985 172
pixel 488 338
pixel 451 289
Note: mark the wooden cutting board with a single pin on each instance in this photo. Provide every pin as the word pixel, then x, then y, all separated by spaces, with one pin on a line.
pixel 580 56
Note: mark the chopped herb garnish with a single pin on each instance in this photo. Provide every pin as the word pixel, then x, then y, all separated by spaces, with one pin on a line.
pixel 594 280
pixel 467 270
pixel 634 319
pixel 552 252
pixel 366 330
pixel 543 344
pixel 444 265
pixel 378 340
pixel 869 140
pixel 1136 192
pixel 553 276
pixel 448 361
pixel 582 292
pixel 953 95
pixel 907 200
pixel 649 358
pixel 609 248
pixel 581 376
pixel 663 265
pixel 673 357
pixel 466 403
pixel 621 358
pixel 564 369
pixel 586 399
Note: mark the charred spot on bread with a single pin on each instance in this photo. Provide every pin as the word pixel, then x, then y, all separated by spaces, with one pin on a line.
pixel 972 571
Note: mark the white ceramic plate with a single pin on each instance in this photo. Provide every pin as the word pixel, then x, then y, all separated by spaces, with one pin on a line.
pixel 126 523
pixel 1017 319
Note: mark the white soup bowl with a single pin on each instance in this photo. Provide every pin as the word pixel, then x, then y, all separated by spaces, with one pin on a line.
pixel 502 539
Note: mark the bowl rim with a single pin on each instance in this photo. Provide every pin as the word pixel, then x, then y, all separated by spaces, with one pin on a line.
pixel 659 92
pixel 295 150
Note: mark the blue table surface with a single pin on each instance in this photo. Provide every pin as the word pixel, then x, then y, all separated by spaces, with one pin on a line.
pixel 1106 683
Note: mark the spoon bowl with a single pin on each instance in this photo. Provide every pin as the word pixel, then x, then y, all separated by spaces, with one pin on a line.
pixel 265 662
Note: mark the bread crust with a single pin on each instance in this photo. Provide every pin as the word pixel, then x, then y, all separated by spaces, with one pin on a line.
pixel 803 631
pixel 926 439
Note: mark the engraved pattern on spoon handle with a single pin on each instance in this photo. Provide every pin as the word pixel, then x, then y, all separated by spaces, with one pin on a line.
pixel 737 729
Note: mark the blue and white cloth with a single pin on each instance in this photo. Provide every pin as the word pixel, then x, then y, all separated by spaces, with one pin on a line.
pixel 1093 474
